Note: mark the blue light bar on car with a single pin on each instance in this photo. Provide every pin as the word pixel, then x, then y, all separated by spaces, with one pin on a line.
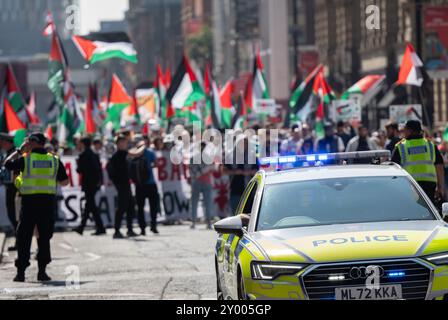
pixel 397 274
pixel 325 157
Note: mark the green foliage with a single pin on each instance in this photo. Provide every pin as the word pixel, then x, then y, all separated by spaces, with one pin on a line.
pixel 200 46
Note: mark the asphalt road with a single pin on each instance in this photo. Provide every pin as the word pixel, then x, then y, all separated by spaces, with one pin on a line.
pixel 178 264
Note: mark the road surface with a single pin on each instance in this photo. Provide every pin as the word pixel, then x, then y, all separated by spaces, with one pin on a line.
pixel 178 264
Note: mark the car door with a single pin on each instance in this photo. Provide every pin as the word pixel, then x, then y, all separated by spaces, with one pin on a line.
pixel 232 248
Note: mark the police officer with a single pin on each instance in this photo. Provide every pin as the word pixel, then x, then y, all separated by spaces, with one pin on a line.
pixel 40 172
pixel 421 159
pixel 7 144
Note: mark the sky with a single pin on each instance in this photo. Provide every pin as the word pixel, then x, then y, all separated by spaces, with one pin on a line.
pixel 94 11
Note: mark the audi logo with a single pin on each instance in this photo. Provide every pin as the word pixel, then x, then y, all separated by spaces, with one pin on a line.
pixel 365 272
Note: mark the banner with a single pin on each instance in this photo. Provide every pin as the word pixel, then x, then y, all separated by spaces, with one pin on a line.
pixel 221 195
pixel 403 113
pixel 346 110
pixel 148 103
pixel 71 199
pixel 174 188
pixel 265 106
pixel 173 185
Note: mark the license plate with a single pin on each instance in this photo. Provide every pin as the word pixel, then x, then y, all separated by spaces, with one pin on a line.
pixel 387 292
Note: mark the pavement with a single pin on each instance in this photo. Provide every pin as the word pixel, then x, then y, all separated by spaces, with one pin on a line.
pixel 177 265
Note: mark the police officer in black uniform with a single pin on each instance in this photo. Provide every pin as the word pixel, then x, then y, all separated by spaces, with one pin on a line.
pixel 7 177
pixel 40 172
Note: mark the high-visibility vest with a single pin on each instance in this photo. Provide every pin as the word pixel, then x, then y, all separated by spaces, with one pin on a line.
pixel 39 175
pixel 417 158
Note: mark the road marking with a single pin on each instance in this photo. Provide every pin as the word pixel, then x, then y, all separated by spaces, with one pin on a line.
pixel 30 290
pixel 68 247
pixel 102 295
pixel 93 257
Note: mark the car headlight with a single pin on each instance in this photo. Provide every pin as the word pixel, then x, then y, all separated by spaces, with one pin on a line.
pixel 438 259
pixel 270 271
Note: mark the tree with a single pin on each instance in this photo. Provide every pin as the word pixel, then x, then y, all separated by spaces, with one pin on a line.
pixel 200 46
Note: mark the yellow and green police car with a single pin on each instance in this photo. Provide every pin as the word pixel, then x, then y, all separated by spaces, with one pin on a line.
pixel 333 232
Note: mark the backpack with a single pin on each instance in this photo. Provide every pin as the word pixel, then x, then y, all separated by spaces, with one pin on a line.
pixel 140 171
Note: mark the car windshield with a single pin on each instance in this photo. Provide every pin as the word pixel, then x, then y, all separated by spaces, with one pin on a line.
pixel 341 201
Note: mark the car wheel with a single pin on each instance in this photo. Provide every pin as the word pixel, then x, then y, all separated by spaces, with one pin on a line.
pixel 219 294
pixel 241 289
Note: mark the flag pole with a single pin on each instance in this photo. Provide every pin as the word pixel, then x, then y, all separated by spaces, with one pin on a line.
pixel 425 110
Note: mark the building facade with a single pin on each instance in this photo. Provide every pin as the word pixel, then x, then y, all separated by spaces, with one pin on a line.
pixel 236 34
pixel 156 30
pixel 352 45
pixel 22 23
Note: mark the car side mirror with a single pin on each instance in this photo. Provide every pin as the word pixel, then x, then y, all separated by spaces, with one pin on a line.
pixel 445 211
pixel 232 225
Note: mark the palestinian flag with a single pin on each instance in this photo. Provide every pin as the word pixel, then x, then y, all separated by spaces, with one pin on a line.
pixel 226 105
pixel 257 87
pixel 410 71
pixel 52 113
pixel 56 70
pixel 364 86
pixel 162 84
pixel 193 114
pixel 239 120
pixel 89 119
pixel 318 102
pixel 31 110
pixel 215 107
pixel 210 94
pixel 185 89
pixel 49 132
pixel 300 98
pixel 15 97
pixel 119 100
pixel 49 26
pixel 168 77
pixel 14 125
pixel 103 46
pixel 130 115
pixel 324 93
pixel 71 116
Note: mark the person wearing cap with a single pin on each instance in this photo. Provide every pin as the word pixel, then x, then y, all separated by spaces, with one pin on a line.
pixel 7 145
pixel 118 170
pixel 98 146
pixel 143 161
pixel 91 172
pixel 422 160
pixel 40 174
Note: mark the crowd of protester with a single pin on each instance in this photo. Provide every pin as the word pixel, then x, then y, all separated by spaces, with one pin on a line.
pixel 131 156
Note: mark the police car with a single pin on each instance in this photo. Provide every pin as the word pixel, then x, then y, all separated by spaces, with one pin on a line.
pixel 333 232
